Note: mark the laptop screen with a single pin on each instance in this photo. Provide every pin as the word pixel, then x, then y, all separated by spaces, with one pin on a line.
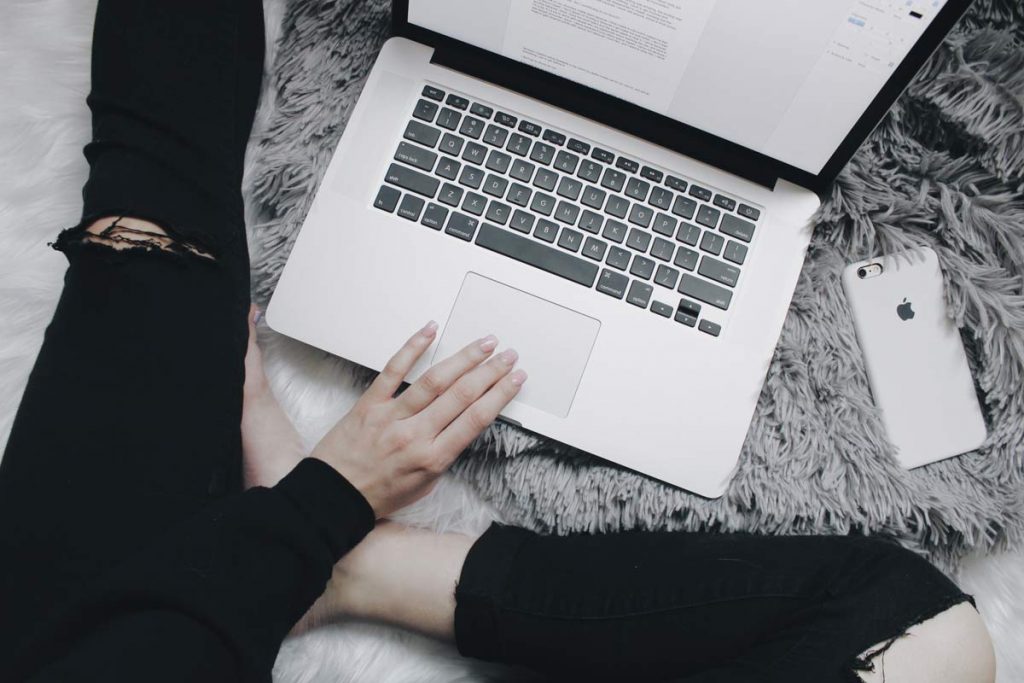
pixel 786 78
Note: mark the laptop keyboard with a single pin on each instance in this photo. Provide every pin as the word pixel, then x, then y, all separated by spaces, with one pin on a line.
pixel 569 207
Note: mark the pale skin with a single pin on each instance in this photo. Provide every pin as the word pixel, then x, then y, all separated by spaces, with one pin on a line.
pixel 394 448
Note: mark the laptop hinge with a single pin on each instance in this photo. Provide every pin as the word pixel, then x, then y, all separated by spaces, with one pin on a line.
pixel 598 106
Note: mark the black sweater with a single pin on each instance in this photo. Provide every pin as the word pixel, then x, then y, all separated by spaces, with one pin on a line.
pixel 213 599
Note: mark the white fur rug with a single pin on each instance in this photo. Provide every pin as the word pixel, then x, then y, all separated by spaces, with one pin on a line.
pixel 44 59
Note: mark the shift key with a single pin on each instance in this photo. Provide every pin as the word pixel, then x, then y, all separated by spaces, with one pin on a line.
pixel 702 290
pixel 411 180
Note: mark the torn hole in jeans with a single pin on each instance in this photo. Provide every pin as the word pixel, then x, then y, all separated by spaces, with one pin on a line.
pixel 128 239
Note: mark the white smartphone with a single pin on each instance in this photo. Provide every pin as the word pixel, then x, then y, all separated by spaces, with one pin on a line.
pixel 915 358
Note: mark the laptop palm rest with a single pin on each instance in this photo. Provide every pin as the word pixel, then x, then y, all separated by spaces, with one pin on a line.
pixel 554 342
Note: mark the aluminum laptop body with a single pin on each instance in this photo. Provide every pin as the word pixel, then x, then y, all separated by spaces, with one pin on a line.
pixel 669 393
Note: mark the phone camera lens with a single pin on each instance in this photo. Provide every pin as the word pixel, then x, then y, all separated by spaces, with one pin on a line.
pixel 862 273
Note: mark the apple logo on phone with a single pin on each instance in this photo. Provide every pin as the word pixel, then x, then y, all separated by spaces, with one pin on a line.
pixel 905 310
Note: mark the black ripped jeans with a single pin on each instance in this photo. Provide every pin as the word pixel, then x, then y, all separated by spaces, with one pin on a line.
pixel 130 421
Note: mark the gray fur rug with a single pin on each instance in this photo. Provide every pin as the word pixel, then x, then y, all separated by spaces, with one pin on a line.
pixel 945 169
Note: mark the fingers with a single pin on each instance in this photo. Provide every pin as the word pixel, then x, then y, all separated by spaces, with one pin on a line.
pixel 464 392
pixel 441 376
pixel 467 426
pixel 394 372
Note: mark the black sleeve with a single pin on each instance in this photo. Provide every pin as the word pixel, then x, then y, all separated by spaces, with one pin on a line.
pixel 212 600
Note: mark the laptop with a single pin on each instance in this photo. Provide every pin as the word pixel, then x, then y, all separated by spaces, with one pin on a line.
pixel 620 190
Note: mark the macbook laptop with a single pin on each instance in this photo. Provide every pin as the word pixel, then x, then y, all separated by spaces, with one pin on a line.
pixel 621 190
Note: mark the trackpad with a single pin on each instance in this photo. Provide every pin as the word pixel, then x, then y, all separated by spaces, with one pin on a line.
pixel 553 342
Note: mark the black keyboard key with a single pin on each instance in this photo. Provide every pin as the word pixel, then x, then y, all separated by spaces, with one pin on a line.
pixel 637 189
pixel 518 144
pixel 543 203
pixel 639 293
pixel 701 193
pixel 519 194
pixel 554 138
pixel 578 146
pixel 641 215
pixel 684 207
pixel 652 174
pixel 708 216
pixel 603 155
pixel 566 162
pixel 689 307
pixel 495 135
pixel 538 255
pixel 617 206
pixel 421 133
pixel 448 118
pixel 712 243
pixel 594 197
pixel 591 222
pixel 627 165
pixel 570 188
pixel 618 258
pixel 737 227
pixel 613 180
pixel 472 177
pixel 481 110
pixel 414 155
pixel 450 194
pixel 506 119
pixel 433 93
pixel 567 213
pixel 529 128
pixel 666 276
pixel 545 179
pixel 498 161
pixel 614 231
pixel 462 226
pixel 661 309
pixel 411 180
pixel 688 234
pixel 472 127
pixel 686 258
pixel 542 153
pixel 451 144
pixel 425 110
pixel 498 212
pixel 638 239
pixel 475 153
pixel 716 270
pixel 724 202
pixel 594 248
pixel 612 283
pixel 522 221
pixel 661 198
pixel 434 216
pixel 474 203
pixel 495 185
pixel 748 212
pixel 663 249
pixel 735 252
pixel 702 290
pixel 387 198
pixel 411 207
pixel 685 318
pixel 664 224
pixel 448 168
pixel 570 239
pixel 642 267
pixel 457 101
pixel 677 184
pixel 522 170
pixel 546 230
pixel 714 329
pixel 590 171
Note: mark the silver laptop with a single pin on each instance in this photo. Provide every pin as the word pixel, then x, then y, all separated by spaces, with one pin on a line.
pixel 622 191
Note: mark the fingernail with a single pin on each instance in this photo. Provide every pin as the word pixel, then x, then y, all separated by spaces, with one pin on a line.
pixel 488 343
pixel 429 329
pixel 508 356
pixel 257 315
pixel 518 377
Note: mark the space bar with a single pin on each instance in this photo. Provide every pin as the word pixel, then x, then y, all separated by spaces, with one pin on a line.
pixel 526 250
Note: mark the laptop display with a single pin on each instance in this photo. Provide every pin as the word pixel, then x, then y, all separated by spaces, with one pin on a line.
pixel 787 78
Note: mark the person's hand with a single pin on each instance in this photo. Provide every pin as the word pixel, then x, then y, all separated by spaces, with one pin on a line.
pixel 393 448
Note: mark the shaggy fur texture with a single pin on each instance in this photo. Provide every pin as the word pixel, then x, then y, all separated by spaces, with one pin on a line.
pixel 945 169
